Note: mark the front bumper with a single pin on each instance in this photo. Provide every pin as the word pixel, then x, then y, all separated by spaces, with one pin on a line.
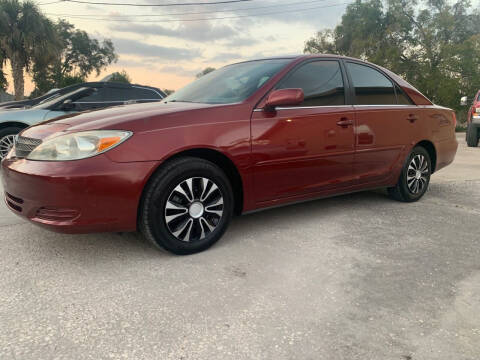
pixel 90 195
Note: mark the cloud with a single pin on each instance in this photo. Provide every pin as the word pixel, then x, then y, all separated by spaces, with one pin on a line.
pixel 194 31
pixel 136 47
pixel 241 42
pixel 223 57
pixel 179 70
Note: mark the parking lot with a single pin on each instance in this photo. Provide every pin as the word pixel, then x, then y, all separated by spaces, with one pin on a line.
pixel 352 277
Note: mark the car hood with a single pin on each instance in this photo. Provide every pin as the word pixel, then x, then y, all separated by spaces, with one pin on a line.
pixel 23 115
pixel 135 118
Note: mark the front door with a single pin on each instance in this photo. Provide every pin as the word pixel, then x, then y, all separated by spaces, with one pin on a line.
pixel 307 148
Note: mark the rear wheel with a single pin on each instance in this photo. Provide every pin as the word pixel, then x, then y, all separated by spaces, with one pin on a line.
pixel 187 206
pixel 7 139
pixel 415 177
pixel 472 135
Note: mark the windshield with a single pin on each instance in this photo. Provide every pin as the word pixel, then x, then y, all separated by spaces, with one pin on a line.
pixel 230 84
pixel 58 99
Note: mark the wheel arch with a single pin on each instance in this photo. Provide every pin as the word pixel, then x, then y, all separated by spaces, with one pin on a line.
pixel 7 124
pixel 432 152
pixel 222 161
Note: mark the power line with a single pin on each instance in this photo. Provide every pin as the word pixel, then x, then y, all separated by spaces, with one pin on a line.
pixel 155 5
pixel 51 2
pixel 194 13
pixel 211 18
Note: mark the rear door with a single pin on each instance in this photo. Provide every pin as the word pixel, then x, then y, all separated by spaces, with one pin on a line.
pixel 386 122
pixel 307 148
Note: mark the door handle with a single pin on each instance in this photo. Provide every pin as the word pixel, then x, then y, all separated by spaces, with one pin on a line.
pixel 344 122
pixel 412 118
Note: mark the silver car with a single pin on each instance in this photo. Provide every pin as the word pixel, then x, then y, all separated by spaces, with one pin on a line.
pixel 12 121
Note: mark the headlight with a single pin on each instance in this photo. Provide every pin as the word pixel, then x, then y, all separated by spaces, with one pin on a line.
pixel 78 145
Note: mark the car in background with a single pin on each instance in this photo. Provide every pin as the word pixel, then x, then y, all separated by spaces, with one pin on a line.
pixel 92 97
pixel 473 120
pixel 103 85
pixel 245 137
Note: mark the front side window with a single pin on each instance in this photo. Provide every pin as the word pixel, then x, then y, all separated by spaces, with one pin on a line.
pixel 94 97
pixel 321 82
pixel 144 94
pixel 230 84
pixel 371 86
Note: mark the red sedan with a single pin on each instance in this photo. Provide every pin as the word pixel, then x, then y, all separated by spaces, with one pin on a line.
pixel 473 121
pixel 249 136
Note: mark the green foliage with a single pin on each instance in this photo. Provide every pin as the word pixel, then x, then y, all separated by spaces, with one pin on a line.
pixel 435 45
pixel 25 35
pixel 168 91
pixel 80 55
pixel 205 72
pixel 121 77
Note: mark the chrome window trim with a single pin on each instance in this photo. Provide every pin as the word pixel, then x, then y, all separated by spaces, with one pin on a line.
pixel 338 106
pixel 113 101
pixel 307 107
pixel 386 105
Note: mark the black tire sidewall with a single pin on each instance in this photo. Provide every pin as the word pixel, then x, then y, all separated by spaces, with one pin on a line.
pixel 160 189
pixel 407 195
pixel 472 135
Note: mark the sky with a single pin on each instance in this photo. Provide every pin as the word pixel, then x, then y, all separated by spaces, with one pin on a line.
pixel 155 49
pixel 166 46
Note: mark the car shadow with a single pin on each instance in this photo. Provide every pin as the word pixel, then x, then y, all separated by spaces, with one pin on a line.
pixel 107 247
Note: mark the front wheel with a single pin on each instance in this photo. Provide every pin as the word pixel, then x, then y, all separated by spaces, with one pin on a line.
pixel 187 206
pixel 415 177
pixel 7 139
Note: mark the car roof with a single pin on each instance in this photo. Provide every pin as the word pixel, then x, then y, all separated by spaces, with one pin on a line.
pixel 306 56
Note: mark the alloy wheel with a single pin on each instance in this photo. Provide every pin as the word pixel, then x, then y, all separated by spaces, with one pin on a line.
pixel 6 144
pixel 417 174
pixel 193 209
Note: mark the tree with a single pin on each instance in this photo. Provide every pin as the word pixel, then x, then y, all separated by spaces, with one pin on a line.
pixel 121 77
pixel 205 72
pixel 3 79
pixel 25 34
pixel 168 91
pixel 79 56
pixel 434 44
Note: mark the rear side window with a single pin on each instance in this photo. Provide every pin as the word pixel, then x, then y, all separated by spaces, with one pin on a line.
pixel 114 94
pixel 321 82
pixel 402 98
pixel 371 86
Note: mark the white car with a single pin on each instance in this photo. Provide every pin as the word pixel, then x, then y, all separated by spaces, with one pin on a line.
pixel 12 121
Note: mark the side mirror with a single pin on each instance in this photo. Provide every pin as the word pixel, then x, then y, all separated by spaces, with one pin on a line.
pixel 68 105
pixel 284 97
pixel 463 101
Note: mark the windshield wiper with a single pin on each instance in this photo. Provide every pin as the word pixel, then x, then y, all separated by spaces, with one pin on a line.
pixel 185 101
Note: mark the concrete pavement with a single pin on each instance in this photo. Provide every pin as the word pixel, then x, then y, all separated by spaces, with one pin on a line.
pixel 353 277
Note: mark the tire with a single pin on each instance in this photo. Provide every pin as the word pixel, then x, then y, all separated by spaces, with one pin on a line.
pixel 187 206
pixel 6 139
pixel 406 189
pixel 472 135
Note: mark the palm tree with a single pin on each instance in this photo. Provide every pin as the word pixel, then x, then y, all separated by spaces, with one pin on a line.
pixel 25 35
